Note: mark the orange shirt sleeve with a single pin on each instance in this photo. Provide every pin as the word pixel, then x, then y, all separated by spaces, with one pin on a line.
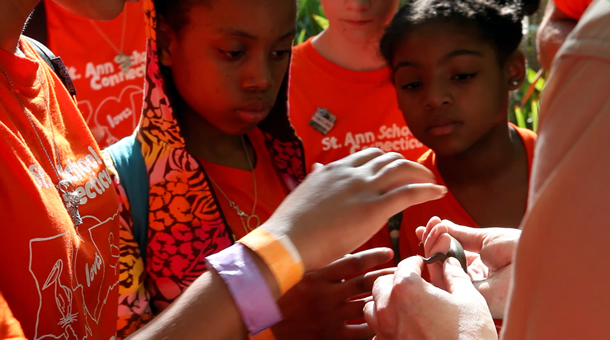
pixel 10 328
pixel 573 8
pixel 560 276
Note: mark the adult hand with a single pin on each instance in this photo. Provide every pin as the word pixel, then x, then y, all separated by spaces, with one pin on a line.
pixel 489 252
pixel 321 303
pixel 405 306
pixel 341 205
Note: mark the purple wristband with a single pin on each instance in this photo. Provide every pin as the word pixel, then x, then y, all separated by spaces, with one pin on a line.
pixel 249 289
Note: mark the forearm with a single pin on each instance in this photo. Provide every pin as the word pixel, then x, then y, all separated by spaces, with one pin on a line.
pixel 554 29
pixel 205 310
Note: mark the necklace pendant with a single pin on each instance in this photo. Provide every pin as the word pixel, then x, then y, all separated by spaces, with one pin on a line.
pixel 124 61
pixel 253 219
pixel 71 201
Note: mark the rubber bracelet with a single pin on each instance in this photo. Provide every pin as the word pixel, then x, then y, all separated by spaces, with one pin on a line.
pixel 280 255
pixel 248 287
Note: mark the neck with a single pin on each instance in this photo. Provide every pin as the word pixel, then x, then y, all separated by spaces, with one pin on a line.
pixel 487 158
pixel 204 140
pixel 353 55
pixel 13 16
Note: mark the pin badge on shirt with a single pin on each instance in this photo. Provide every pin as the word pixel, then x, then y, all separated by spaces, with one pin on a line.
pixel 323 121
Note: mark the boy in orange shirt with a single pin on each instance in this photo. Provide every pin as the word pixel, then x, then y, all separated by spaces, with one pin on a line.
pixel 341 97
pixel 453 73
pixel 340 94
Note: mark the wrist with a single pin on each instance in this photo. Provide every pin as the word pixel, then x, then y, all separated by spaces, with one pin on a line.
pixel 280 256
pixel 249 287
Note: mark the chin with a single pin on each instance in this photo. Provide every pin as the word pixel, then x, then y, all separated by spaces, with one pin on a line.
pixel 100 10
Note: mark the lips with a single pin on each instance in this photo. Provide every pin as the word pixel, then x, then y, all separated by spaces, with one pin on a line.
pixel 357 22
pixel 441 126
pixel 254 112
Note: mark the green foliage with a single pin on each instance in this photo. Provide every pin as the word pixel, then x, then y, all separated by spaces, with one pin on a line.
pixel 310 20
pixel 526 100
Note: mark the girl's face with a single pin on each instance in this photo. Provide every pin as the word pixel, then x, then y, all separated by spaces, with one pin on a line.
pixel 229 60
pixel 94 9
pixel 359 20
pixel 450 86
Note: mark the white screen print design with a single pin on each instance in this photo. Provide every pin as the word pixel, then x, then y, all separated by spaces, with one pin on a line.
pixel 93 255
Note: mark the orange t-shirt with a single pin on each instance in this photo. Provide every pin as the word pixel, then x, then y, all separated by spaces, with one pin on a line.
pixel 364 106
pixel 447 207
pixel 109 98
pixel 363 103
pixel 573 8
pixel 9 327
pixel 60 281
pixel 238 185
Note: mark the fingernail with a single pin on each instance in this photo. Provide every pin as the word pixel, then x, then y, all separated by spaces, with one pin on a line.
pixel 443 189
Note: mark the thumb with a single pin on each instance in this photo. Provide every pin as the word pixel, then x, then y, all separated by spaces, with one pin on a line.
pixel 315 166
pixel 456 280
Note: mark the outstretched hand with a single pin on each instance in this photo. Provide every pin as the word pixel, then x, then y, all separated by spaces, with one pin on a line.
pixel 489 252
pixel 341 205
pixel 405 306
pixel 321 303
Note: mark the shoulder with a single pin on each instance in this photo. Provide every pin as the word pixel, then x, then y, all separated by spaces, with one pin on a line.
pixel 528 136
pixel 302 51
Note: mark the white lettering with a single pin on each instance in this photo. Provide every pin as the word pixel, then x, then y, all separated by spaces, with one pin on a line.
pixel 90 273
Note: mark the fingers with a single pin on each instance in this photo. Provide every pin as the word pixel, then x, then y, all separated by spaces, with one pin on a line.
pixel 431 224
pixel 409 266
pixel 437 242
pixel 360 285
pixel 351 310
pixel 456 280
pixel 496 245
pixel 316 166
pixel 378 163
pixel 401 172
pixel 471 238
pixel 361 157
pixel 354 264
pixel 370 315
pixel 357 332
pixel 495 291
pixel 405 196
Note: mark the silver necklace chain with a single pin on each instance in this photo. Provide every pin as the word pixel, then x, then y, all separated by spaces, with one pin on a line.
pixel 121 58
pixel 70 197
pixel 235 207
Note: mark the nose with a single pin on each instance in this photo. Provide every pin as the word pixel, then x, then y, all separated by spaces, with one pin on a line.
pixel 358 5
pixel 437 95
pixel 258 76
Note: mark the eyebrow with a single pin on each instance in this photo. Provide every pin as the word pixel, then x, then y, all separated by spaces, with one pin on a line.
pixel 243 34
pixel 444 59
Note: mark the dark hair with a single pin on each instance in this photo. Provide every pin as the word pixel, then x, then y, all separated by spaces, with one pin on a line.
pixel 175 12
pixel 498 21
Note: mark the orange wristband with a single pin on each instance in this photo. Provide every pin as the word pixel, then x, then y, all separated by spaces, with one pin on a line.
pixel 279 254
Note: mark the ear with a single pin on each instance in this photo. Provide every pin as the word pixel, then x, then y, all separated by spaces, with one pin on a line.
pixel 515 70
pixel 165 40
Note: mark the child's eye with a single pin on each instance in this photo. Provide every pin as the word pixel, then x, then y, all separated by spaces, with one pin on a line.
pixel 464 76
pixel 280 54
pixel 411 86
pixel 232 55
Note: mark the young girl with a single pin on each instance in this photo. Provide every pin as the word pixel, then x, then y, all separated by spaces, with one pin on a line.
pixel 220 153
pixel 454 64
